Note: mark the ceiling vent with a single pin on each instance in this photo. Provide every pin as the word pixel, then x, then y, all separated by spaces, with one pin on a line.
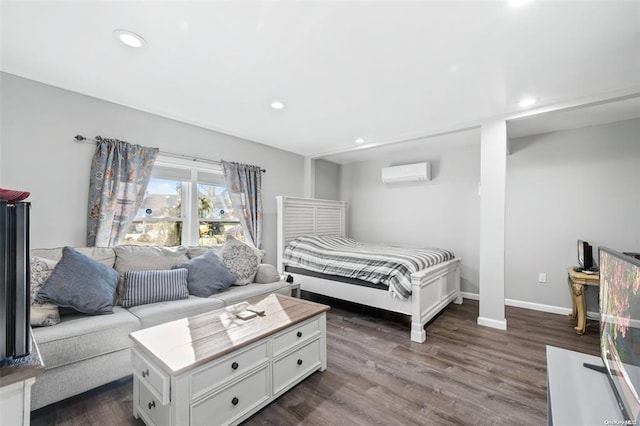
pixel 407 173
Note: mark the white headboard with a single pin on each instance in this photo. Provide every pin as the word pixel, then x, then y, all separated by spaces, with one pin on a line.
pixel 308 216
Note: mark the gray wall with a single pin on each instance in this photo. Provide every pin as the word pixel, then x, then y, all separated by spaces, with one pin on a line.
pixel 561 187
pixel 565 186
pixel 39 155
pixel 443 212
pixel 327 180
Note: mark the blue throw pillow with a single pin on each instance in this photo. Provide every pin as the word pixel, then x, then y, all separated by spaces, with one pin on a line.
pixel 207 275
pixel 80 283
pixel 142 287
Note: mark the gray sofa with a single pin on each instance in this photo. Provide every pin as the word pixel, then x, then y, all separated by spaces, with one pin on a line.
pixel 84 351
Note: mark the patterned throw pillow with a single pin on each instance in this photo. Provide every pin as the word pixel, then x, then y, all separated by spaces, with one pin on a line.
pixel 42 314
pixel 80 283
pixel 143 287
pixel 241 259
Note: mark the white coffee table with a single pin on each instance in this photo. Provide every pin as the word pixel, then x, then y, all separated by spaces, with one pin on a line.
pixel 215 368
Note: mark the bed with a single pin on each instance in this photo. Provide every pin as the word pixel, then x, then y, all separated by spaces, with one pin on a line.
pixel 431 288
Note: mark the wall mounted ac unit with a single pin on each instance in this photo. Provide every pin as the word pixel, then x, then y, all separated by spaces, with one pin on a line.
pixel 407 173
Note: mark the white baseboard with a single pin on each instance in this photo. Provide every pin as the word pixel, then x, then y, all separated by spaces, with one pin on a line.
pixel 533 306
pixel 538 307
pixel 472 296
pixel 488 322
pixel 530 305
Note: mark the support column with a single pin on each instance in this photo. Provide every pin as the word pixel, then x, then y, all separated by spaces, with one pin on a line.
pixel 309 177
pixel 493 168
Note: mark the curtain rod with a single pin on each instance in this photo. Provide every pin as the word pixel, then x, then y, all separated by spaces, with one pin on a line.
pixel 81 138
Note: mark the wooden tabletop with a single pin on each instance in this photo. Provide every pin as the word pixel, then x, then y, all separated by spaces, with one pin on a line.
pixel 189 342
pixel 21 369
pixel 582 278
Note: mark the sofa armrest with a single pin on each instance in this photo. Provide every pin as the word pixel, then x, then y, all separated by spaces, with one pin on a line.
pixel 266 274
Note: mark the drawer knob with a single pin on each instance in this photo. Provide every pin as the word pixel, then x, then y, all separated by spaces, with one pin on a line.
pixel 235 401
pixel 145 373
pixel 152 404
pixel 299 334
pixel 234 365
pixel 299 362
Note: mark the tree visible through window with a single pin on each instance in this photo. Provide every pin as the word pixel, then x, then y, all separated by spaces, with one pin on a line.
pixel 170 215
pixel 216 215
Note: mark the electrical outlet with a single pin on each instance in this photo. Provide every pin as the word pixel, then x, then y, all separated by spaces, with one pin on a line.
pixel 542 277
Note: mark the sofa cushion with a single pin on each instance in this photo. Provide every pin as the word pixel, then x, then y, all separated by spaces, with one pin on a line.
pixel 80 337
pixel 143 287
pixel 237 294
pixel 158 313
pixel 142 258
pixel 207 275
pixel 80 283
pixel 266 274
pixel 104 255
pixel 41 314
pixel 241 259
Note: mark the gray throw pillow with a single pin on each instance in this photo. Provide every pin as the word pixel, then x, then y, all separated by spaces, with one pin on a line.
pixel 241 259
pixel 207 275
pixel 267 274
pixel 143 287
pixel 80 283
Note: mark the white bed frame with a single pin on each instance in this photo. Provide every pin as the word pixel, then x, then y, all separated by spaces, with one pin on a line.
pixel 432 288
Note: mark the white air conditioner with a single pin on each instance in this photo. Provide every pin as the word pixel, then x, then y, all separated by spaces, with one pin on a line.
pixel 407 173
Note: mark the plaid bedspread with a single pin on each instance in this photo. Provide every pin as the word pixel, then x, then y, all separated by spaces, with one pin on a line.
pixel 378 264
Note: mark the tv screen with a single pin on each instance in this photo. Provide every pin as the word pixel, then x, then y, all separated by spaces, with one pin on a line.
pixel 620 327
pixel 585 256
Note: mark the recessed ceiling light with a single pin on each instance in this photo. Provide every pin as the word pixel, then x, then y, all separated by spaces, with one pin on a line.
pixel 129 38
pixel 359 140
pixel 527 102
pixel 277 105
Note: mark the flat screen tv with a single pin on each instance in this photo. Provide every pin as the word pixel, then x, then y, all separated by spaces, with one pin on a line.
pixel 585 255
pixel 620 328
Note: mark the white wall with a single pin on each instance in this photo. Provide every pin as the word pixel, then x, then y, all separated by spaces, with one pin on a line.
pixel 38 123
pixel 443 212
pixel 565 186
pixel 327 182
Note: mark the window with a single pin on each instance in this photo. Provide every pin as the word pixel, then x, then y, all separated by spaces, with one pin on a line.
pixel 185 204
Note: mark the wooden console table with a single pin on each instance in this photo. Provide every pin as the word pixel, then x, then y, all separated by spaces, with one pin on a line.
pixel 577 281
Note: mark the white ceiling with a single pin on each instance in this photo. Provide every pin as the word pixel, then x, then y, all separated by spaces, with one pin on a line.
pixel 386 71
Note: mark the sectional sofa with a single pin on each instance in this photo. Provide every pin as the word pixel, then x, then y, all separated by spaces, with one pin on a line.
pixel 86 351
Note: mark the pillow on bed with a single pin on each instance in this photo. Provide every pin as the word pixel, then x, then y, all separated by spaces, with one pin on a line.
pixel 241 259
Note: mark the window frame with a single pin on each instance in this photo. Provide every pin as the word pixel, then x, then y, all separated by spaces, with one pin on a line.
pixel 189 205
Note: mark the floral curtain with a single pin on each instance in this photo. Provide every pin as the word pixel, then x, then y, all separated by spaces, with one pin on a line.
pixel 244 185
pixel 120 173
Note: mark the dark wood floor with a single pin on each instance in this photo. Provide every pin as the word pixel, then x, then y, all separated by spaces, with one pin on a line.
pixel 462 374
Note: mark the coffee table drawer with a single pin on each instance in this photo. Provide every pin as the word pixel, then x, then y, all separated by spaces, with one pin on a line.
pixel 151 406
pixel 231 403
pixel 151 376
pixel 227 368
pixel 295 335
pixel 290 369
